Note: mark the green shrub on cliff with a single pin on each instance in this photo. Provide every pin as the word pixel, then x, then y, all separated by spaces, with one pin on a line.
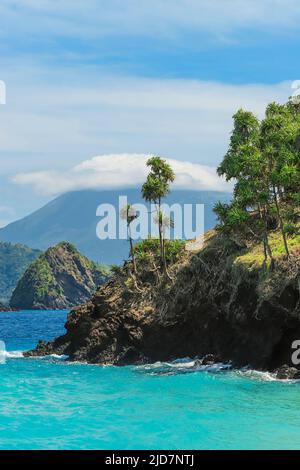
pixel 36 285
pixel 150 247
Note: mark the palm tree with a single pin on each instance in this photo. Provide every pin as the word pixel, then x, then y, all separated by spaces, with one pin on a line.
pixel 156 187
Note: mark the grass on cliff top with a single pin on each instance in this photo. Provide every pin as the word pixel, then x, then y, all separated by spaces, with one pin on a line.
pixel 253 257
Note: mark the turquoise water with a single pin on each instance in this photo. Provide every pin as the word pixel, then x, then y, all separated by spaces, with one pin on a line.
pixel 51 404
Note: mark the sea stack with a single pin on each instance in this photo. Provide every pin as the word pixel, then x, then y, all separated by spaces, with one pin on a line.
pixel 60 278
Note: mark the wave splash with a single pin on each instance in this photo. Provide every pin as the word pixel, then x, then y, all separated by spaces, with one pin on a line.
pixel 20 355
pixel 183 366
pixel 12 354
pixel 188 365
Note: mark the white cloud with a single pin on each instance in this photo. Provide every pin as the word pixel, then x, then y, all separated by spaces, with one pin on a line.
pixel 119 171
pixel 163 18
pixel 53 123
pixel 59 110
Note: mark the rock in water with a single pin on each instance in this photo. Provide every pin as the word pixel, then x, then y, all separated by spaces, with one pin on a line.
pixel 286 372
pixel 59 279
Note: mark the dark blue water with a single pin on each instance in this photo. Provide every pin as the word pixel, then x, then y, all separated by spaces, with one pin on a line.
pixel 52 404
pixel 22 330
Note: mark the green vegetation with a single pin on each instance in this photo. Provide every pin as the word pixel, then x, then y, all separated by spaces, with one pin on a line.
pixel 37 284
pixel 263 160
pixel 14 260
pixel 147 254
pixel 60 278
pixel 100 271
pixel 154 190
pixel 157 253
pixel 253 256
pixel 149 249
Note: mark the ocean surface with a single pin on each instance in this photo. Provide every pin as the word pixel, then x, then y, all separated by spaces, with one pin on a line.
pixel 52 404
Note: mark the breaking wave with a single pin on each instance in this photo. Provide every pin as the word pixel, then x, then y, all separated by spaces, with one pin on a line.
pixel 182 366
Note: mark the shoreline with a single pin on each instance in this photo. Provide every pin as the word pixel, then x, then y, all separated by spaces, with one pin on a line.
pixel 174 367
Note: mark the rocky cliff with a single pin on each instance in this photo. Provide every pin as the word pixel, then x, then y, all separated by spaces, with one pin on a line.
pixel 60 278
pixel 221 300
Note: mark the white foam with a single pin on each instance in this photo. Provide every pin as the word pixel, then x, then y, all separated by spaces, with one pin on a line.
pixel 13 354
pixel 181 364
pixel 184 365
pixel 61 357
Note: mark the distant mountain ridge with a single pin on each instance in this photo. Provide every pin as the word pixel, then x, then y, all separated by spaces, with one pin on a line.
pixel 72 217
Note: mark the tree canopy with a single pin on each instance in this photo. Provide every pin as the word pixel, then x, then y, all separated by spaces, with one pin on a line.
pixel 263 160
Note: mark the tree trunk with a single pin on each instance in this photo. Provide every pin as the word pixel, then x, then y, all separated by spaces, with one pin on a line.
pixel 164 258
pixel 162 243
pixel 280 222
pixel 266 238
pixel 132 250
pixel 267 248
pixel 264 234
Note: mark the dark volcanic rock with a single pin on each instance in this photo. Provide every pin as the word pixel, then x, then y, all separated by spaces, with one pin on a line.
pixel 215 306
pixel 287 373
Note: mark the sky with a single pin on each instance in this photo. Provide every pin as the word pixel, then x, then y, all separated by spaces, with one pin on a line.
pixel 94 86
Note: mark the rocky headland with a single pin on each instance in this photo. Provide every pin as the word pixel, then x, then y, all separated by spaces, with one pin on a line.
pixel 222 301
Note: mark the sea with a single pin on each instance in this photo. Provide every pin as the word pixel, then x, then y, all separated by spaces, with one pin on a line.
pixel 50 403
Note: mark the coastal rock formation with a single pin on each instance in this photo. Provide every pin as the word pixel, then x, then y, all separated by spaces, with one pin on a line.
pixel 221 302
pixel 60 278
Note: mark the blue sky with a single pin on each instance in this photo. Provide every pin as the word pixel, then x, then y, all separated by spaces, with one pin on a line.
pixel 87 78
